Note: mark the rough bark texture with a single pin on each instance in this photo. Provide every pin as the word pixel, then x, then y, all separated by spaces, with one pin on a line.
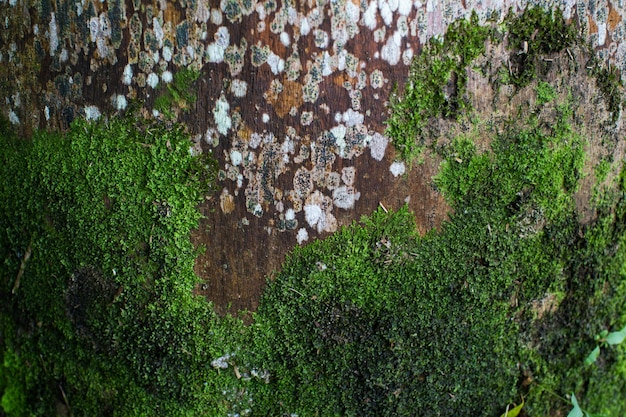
pixel 291 100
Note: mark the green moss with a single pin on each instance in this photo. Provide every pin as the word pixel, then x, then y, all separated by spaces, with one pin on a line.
pixel 102 318
pixel 178 94
pixel 545 93
pixel 533 35
pixel 437 86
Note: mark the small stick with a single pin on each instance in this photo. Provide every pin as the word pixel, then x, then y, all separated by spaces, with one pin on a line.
pixel 569 53
pixel 297 292
pixel 383 207
pixel 22 267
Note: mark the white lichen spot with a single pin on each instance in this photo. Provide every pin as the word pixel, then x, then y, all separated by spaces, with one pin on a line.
pixel 352 12
pixel 302 236
pixel 276 63
pixel 353 118
pixel 13 118
pixel 339 132
pixel 221 362
pixel 155 113
pixel 167 53
pixel 222 120
pixel 378 146
pixel 284 38
pixel 390 51
pixel 158 32
pixel 53 31
pixel 152 80
pixel 321 38
pixel 386 13
pixel 92 113
pixel 236 158
pixel 397 168
pixel 344 197
pixel 216 17
pixel 46 112
pixel 239 88
pixel 306 118
pixel 304 26
pixel 265 118
pixel 215 53
pixel 290 214
pixel 407 56
pixel 348 175
pixel 63 56
pixel 376 79
pixel 312 214
pixel 166 77
pixel 119 102
pixel 369 17
pixel 601 33
pixel 127 75
pixel 404 7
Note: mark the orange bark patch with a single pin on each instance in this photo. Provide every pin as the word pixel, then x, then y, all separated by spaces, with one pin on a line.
pixel 614 18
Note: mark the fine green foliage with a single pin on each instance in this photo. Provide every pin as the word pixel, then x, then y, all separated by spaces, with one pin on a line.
pixel 533 35
pixel 495 306
pixel 437 86
pixel 179 93
pixel 98 276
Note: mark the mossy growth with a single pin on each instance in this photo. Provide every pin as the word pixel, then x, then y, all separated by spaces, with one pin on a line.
pixel 533 36
pixel 98 315
pixel 502 303
pixel 179 94
pixel 437 85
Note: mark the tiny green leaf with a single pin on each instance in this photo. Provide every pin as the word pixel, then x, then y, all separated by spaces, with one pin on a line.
pixel 514 412
pixel 615 338
pixel 576 411
pixel 593 356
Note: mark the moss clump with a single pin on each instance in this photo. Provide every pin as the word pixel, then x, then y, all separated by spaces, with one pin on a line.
pixel 178 94
pixel 503 302
pixel 97 275
pixel 437 85
pixel 533 35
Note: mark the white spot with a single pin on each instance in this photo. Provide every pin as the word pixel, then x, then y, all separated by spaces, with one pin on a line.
pixel 290 214
pixel 12 3
pixel 265 117
pixel 386 13
pixel 601 33
pixel 46 112
pixel 92 113
pixel 222 37
pixel 127 76
pixel 54 34
pixel 397 168
pixel 404 7
pixel 352 118
pixel 236 158
pixel 167 53
pixel 13 118
pixel 153 80
pixel 215 53
pixel 276 63
pixel 239 88
pixel 64 55
pixel 390 51
pixel 155 113
pixel 339 132
pixel 302 236
pixel 352 12
pixel 407 56
pixel 36 30
pixel 223 121
pixel 378 146
pixel 216 17
pixel 166 77
pixel 369 17
pixel 284 38
pixel 344 197
pixel 158 33
pixel 119 101
pixel 221 362
pixel 312 214
pixel 393 5
pixel 304 27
